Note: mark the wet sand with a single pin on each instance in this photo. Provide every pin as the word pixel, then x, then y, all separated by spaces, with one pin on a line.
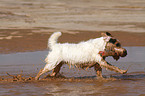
pixel 25 26
pixel 22 40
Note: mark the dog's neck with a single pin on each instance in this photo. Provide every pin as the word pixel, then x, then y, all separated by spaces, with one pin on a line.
pixel 100 43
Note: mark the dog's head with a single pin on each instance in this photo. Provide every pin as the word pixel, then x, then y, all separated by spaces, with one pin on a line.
pixel 113 45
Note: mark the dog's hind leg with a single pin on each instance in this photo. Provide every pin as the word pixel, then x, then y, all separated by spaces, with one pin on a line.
pixel 56 69
pixel 98 70
pixel 48 67
pixel 105 64
pixel 39 74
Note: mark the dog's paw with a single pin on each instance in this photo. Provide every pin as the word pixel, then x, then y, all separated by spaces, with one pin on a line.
pixel 99 77
pixel 36 78
pixel 124 72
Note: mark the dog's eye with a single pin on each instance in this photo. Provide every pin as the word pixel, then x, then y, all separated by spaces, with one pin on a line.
pixel 118 45
pixel 112 40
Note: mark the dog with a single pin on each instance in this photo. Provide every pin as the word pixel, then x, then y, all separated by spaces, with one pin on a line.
pixel 85 54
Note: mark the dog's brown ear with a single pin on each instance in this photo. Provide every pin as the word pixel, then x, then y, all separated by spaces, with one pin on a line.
pixel 106 34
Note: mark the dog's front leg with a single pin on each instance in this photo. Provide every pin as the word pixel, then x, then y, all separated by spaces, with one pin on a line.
pixel 105 64
pixel 98 70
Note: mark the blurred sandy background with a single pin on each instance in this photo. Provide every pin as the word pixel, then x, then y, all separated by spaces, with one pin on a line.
pixel 25 25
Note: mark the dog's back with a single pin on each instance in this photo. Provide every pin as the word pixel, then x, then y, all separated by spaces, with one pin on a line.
pixel 82 52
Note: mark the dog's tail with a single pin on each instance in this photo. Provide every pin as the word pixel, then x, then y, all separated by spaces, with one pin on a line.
pixel 53 39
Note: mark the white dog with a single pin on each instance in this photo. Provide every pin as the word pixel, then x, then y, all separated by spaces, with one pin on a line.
pixel 84 54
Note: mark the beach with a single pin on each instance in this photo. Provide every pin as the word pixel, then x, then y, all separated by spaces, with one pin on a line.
pixel 26 25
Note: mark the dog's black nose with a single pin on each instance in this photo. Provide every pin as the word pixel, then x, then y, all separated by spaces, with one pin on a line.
pixel 124 53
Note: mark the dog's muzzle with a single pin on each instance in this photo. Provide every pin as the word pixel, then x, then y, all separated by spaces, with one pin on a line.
pixel 120 51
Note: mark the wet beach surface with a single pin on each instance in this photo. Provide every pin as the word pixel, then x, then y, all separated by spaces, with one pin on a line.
pixel 23 40
pixel 78 81
pixel 25 26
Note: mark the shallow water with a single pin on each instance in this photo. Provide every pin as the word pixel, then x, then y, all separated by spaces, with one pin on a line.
pixel 29 63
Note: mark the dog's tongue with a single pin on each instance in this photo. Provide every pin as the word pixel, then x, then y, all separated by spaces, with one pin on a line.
pixel 102 53
pixel 116 57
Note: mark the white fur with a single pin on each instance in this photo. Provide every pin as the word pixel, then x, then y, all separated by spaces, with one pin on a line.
pixel 71 53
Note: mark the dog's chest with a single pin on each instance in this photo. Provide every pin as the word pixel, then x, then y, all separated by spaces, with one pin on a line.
pixel 82 65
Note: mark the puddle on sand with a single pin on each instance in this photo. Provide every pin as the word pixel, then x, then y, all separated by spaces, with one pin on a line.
pixel 29 63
